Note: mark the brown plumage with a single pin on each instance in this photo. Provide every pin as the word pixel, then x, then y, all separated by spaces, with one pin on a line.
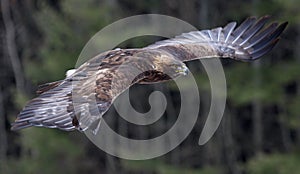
pixel 79 101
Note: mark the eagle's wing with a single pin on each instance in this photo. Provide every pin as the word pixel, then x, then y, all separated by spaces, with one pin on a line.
pixel 247 42
pixel 81 99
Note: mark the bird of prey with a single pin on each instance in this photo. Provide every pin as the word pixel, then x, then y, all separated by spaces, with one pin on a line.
pixel 55 107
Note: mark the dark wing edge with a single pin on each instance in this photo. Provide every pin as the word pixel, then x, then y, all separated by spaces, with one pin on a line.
pixel 248 42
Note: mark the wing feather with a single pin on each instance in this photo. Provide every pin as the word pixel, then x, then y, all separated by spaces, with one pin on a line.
pixel 247 42
pixel 261 35
pixel 268 39
pixel 238 32
pixel 253 30
pixel 48 109
pixel 227 30
pixel 81 99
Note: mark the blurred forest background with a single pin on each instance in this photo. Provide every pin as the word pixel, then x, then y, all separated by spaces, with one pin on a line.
pixel 259 134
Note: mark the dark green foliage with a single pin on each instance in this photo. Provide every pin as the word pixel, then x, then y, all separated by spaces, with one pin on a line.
pixel 275 163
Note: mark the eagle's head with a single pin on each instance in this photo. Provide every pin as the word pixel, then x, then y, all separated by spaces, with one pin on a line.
pixel 170 66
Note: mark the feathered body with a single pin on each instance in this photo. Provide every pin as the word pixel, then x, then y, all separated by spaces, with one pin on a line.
pixel 78 101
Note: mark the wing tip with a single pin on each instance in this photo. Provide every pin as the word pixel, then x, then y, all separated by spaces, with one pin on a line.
pixel 285 24
pixel 263 41
pixel 19 125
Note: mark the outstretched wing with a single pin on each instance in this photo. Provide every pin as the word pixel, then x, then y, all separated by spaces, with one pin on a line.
pixel 80 100
pixel 247 42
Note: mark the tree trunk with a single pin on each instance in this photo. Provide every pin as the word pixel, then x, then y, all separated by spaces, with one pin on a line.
pixel 286 138
pixel 203 13
pixel 11 45
pixel 297 55
pixel 257 111
pixel 229 144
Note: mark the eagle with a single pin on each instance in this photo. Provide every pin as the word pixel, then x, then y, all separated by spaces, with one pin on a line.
pixel 104 77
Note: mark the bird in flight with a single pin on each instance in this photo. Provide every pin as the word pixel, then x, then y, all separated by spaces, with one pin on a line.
pixel 79 101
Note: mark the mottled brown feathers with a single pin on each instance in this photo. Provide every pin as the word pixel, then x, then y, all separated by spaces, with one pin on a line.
pixel 47 87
